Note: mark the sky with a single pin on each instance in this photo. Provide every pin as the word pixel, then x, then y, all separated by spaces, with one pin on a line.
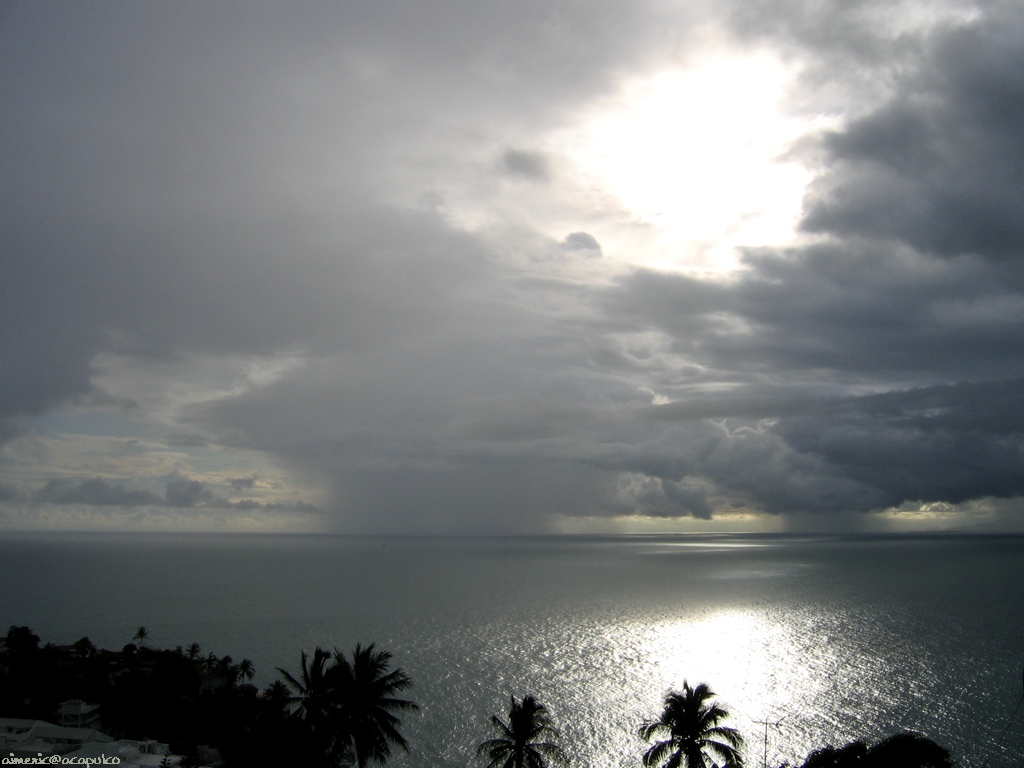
pixel 445 267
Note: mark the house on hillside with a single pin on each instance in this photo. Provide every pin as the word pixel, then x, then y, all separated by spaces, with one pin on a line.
pixel 35 738
pixel 46 742
pixel 76 713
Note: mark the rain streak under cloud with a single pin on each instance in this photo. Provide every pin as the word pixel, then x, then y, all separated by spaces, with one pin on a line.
pixel 416 267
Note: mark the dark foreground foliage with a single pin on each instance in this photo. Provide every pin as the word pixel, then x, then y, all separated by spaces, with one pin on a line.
pixel 527 740
pixel 903 750
pixel 690 731
pixel 342 710
pixel 349 706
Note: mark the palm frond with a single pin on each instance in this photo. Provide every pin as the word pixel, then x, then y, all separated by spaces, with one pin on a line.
pixel 525 740
pixel 657 753
pixel 691 718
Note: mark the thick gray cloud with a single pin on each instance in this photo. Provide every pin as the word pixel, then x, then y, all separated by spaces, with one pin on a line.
pixel 949 442
pixel 829 312
pixel 198 181
pixel 183 492
pixel 95 491
pixel 953 443
pixel 939 167
pixel 920 282
pixel 227 209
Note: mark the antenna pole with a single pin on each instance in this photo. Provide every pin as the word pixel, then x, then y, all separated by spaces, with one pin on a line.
pixel 766 722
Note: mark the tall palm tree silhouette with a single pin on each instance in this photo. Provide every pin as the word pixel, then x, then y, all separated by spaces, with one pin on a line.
pixel 314 700
pixel 141 634
pixel 365 695
pixel 351 705
pixel 227 669
pixel 525 740
pixel 246 670
pixel 691 723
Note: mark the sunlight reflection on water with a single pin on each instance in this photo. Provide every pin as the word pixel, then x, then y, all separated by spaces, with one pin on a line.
pixel 602 679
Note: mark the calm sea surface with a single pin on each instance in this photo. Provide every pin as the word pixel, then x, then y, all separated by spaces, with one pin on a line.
pixel 837 638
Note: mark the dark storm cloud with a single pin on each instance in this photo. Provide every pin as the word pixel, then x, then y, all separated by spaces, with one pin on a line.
pixel 950 442
pixel 667 498
pixel 841 309
pixel 816 319
pixel 953 443
pixel 940 166
pixel 677 469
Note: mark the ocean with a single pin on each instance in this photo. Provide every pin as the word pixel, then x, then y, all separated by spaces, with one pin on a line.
pixel 825 639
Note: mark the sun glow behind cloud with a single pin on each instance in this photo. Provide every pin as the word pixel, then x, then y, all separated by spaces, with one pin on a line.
pixel 697 157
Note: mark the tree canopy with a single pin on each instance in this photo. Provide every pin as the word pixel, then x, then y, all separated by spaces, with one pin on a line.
pixel 690 727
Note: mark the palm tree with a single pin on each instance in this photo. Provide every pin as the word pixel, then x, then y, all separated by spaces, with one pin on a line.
pixel 350 705
pixel 364 693
pixel 227 670
pixel 691 720
pixel 315 701
pixel 525 738
pixel 246 670
pixel 193 651
pixel 141 634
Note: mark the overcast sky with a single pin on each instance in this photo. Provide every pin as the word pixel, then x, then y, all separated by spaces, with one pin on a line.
pixel 442 266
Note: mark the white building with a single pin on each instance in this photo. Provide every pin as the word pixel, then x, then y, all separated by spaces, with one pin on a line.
pixel 39 739
pixel 78 714
pixel 34 738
